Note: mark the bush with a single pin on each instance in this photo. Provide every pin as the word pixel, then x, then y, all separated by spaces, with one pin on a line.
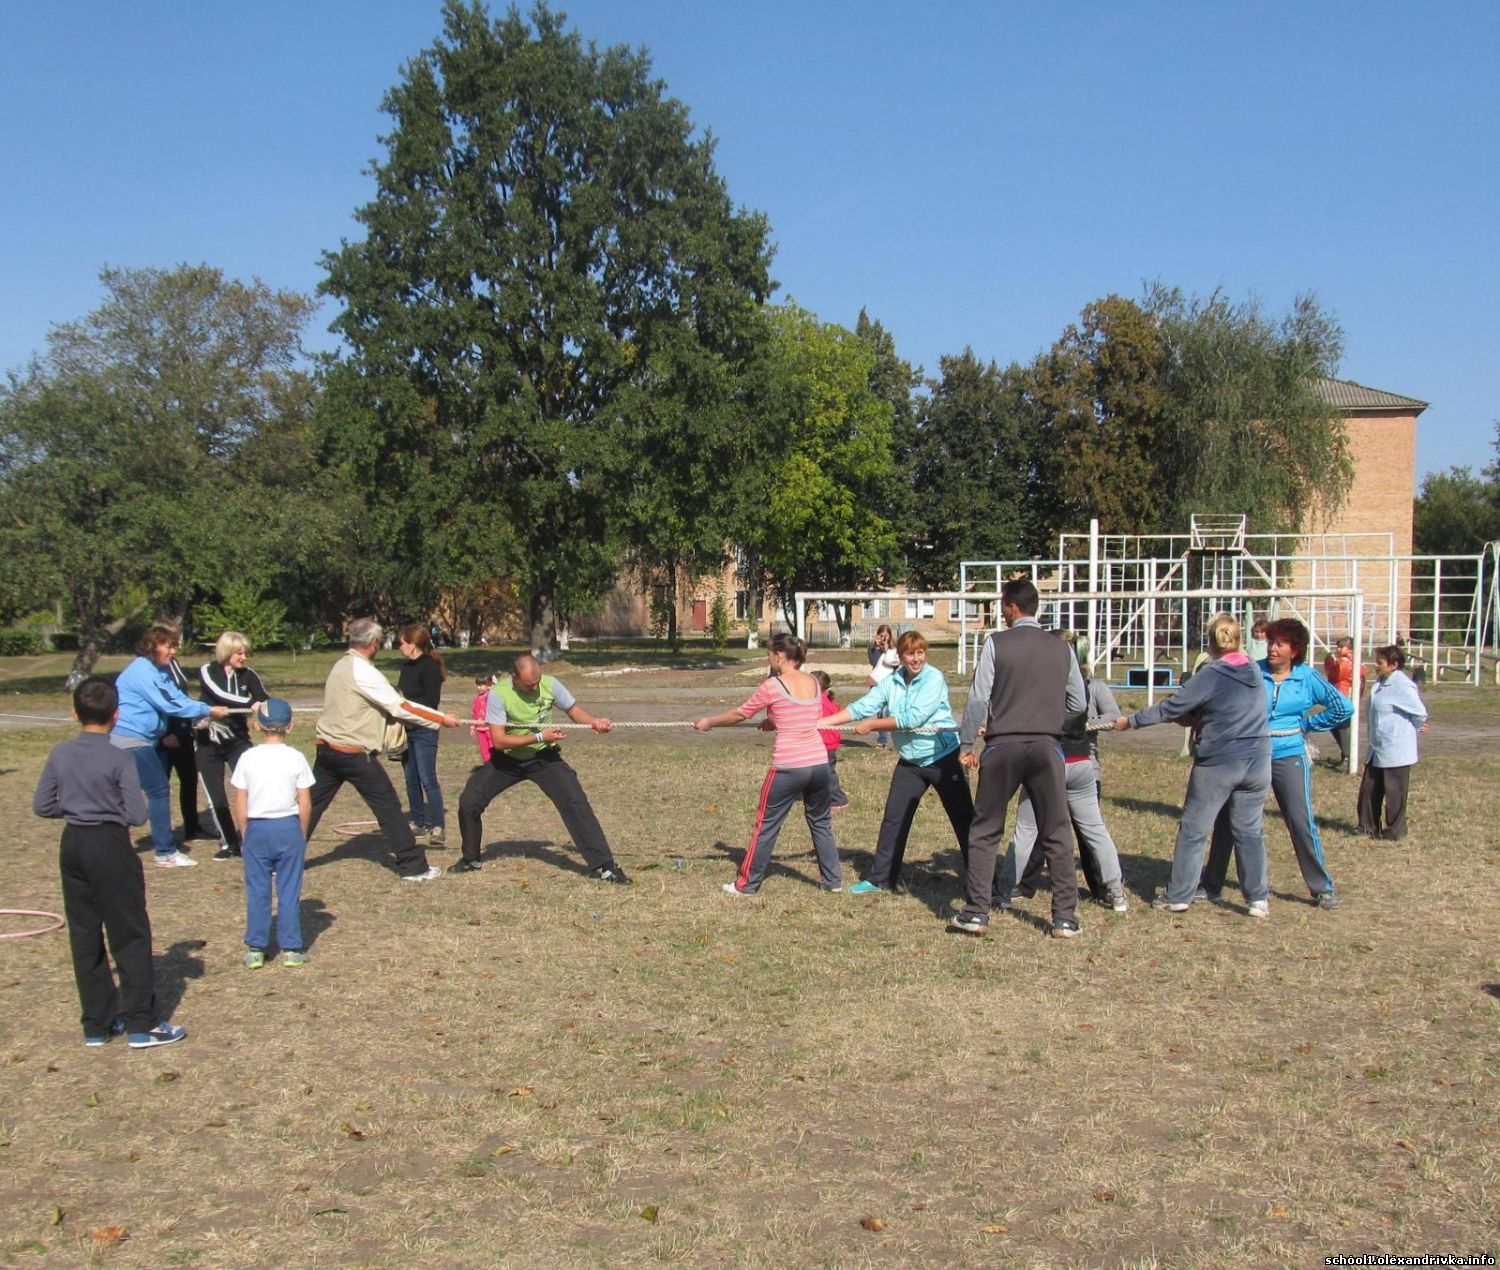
pixel 66 642
pixel 21 643
pixel 243 608
pixel 718 619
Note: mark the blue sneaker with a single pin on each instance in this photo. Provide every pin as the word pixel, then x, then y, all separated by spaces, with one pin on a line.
pixel 161 1034
pixel 864 887
pixel 117 1028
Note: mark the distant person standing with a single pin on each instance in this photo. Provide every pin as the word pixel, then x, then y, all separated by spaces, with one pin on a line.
pixel 1026 687
pixel 1397 715
pixel 178 748
pixel 148 699
pixel 883 661
pixel 227 681
pixel 358 701
pixel 421 680
pixel 1338 669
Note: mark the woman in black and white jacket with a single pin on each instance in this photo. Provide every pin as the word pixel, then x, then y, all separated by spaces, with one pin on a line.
pixel 227 681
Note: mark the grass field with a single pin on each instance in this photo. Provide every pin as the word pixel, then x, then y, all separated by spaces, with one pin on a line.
pixel 526 1067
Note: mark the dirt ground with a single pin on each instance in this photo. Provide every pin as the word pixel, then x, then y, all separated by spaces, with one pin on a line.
pixel 525 1067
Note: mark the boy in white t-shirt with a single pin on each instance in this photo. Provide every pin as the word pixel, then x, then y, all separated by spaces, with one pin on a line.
pixel 271 809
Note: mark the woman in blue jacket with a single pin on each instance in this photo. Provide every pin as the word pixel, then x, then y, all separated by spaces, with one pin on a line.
pixel 1292 689
pixel 1396 716
pixel 149 696
pixel 916 696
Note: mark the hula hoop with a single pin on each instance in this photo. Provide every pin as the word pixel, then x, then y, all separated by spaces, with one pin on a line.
pixel 354 828
pixel 56 922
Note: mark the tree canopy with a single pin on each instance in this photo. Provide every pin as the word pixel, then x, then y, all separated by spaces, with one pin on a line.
pixel 548 239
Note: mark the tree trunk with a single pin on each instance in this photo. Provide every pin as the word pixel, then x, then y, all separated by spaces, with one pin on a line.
pixel 94 632
pixel 754 600
pixel 543 622
pixel 843 614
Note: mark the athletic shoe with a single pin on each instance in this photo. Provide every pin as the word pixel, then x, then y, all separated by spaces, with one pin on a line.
pixel 1204 896
pixel 1161 901
pixel 1023 892
pixel 177 860
pixel 199 834
pixel 732 888
pixel 844 806
pixel 435 837
pixel 227 853
pixel 117 1028
pixel 1328 900
pixel 970 924
pixel 161 1034
pixel 1115 897
pixel 1000 903
pixel 864 887
pixel 1065 928
pixel 466 866
pixel 255 958
pixel 1260 908
pixel 427 874
pixel 833 890
pixel 293 959
pixel 612 873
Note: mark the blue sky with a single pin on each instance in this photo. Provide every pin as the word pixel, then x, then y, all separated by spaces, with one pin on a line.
pixel 971 173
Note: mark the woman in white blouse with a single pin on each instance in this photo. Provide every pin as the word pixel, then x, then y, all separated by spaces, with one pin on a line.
pixel 1396 716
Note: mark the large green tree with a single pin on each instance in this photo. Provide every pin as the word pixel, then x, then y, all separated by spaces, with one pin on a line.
pixel 971 471
pixel 827 522
pixel 547 241
pixel 158 448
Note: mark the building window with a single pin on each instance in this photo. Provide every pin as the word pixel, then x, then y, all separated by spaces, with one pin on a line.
pixel 742 606
pixel 917 609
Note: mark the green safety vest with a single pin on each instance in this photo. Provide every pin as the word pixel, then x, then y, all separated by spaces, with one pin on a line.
pixel 527 714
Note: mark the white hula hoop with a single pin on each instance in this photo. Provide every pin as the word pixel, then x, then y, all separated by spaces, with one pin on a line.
pixel 55 923
pixel 355 828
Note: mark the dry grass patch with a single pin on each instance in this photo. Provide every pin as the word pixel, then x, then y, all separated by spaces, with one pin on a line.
pixel 524 1067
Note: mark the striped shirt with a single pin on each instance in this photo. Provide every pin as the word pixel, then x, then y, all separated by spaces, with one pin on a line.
pixel 797 741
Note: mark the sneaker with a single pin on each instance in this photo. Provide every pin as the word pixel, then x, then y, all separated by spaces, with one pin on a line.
pixel 612 873
pixel 864 887
pixel 833 890
pixel 161 1034
pixel 293 959
pixel 426 875
pixel 970 924
pixel 732 888
pixel 1115 897
pixel 255 958
pixel 1260 908
pixel 1023 892
pixel 844 806
pixel 466 866
pixel 436 837
pixel 1161 901
pixel 117 1028
pixel 1328 900
pixel 1204 896
pixel 1065 928
pixel 177 860
pixel 1000 903
pixel 227 853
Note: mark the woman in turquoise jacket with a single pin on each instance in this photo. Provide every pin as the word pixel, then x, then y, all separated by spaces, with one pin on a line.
pixel 916 696
pixel 1292 689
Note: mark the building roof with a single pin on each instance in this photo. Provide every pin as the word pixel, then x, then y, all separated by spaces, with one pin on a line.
pixel 1347 395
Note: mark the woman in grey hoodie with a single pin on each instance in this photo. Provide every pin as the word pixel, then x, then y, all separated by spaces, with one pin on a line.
pixel 1227 704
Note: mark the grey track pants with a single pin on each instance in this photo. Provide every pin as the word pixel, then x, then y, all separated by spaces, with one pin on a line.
pixel 1235 786
pixel 1088 826
pixel 782 788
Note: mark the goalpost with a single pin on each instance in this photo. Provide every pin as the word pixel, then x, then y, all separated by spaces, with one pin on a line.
pixel 1147 618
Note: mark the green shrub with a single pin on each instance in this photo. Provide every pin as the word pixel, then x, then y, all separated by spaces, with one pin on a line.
pixel 243 608
pixel 718 619
pixel 21 643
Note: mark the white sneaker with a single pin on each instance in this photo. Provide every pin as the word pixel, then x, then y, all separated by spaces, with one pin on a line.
pixel 731 888
pixel 1260 908
pixel 427 875
pixel 177 860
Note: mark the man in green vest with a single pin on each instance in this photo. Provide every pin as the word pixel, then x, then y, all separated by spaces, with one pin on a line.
pixel 525 748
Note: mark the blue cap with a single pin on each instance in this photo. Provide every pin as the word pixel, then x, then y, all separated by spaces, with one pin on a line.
pixel 276 713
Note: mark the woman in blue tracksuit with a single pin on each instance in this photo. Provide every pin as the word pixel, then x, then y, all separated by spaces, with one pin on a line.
pixel 916 696
pixel 1292 689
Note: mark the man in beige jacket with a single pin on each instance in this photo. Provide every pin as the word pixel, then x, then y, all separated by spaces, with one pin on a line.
pixel 357 702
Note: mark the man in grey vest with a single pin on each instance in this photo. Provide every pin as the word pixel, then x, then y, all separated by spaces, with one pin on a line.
pixel 357 702
pixel 1026 685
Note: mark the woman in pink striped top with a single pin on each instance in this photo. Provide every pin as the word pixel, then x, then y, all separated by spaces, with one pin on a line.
pixel 799 765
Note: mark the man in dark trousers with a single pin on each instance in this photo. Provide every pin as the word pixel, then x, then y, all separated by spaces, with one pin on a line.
pixel 1026 685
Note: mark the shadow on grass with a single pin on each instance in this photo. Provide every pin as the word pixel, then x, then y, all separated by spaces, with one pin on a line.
pixel 1491 989
pixel 315 919
pixel 174 967
pixel 1171 811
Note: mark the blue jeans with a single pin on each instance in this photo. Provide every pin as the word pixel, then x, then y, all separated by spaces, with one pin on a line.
pixel 153 777
pixel 274 846
pixel 423 794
